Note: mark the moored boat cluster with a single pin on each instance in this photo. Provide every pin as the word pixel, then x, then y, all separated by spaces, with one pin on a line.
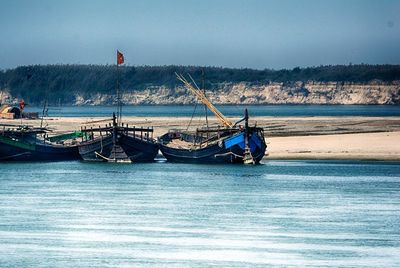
pixel 116 142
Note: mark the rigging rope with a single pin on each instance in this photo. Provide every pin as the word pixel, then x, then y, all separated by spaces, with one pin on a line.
pixel 190 122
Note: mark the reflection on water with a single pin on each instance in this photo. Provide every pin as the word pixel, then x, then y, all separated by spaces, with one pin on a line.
pixel 282 213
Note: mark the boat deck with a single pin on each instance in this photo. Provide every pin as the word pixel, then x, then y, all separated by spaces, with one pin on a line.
pixel 182 144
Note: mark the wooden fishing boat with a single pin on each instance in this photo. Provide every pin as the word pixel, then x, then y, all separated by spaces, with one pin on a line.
pixel 223 145
pixel 118 143
pixel 25 143
pixel 227 143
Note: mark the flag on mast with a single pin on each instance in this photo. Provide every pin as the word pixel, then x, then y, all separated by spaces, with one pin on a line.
pixel 22 105
pixel 120 58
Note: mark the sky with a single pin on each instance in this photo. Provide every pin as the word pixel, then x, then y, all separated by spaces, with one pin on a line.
pixel 256 34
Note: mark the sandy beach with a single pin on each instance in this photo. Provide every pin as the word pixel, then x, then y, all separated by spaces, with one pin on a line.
pixel 358 138
pixel 362 146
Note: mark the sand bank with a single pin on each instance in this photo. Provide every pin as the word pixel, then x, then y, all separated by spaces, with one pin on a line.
pixel 362 146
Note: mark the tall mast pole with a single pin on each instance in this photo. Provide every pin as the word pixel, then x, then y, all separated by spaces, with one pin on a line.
pixel 45 104
pixel 120 99
pixel 204 91
pixel 119 108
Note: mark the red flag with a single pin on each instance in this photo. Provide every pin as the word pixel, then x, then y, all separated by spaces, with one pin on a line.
pixel 120 58
pixel 22 105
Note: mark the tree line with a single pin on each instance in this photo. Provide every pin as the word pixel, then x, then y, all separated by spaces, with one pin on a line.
pixel 60 83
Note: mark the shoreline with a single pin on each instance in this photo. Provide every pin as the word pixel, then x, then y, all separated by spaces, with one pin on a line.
pixel 288 138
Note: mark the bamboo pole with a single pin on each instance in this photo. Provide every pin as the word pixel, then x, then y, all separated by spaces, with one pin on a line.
pixel 202 97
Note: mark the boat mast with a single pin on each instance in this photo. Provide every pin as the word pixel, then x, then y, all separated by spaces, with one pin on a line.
pixel 120 60
pixel 43 113
pixel 204 92
pixel 247 157
pixel 114 129
pixel 118 98
pixel 46 96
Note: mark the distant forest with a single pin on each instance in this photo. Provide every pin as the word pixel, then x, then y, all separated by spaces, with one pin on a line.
pixel 59 83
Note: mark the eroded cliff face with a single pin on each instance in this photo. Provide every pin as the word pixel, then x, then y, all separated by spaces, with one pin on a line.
pixel 375 92
pixel 273 93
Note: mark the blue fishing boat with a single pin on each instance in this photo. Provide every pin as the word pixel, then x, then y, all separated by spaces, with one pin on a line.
pixel 227 143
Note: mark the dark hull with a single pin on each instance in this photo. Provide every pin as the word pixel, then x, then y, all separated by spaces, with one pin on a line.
pixel 138 150
pixel 213 154
pixel 37 152
pixel 91 150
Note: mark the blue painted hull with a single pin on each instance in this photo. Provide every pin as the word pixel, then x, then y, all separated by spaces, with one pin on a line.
pixel 212 154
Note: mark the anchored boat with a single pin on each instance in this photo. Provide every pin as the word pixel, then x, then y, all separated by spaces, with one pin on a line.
pixel 227 143
pixel 118 143
pixel 26 143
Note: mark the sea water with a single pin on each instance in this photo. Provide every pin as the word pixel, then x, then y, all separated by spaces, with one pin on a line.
pixel 228 110
pixel 279 214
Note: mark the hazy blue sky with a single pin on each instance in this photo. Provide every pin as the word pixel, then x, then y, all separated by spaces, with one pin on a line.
pixel 251 33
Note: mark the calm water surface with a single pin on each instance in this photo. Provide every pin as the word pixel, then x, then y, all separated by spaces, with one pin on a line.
pixel 233 110
pixel 280 214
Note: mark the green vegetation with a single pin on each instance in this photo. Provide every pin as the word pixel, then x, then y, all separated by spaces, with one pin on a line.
pixel 59 83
